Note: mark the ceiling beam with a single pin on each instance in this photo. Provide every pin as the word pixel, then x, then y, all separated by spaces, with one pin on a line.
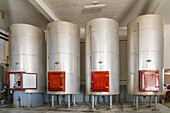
pixel 134 11
pixel 152 6
pixel 149 7
pixel 44 9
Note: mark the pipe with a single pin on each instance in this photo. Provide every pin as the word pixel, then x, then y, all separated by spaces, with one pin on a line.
pixel 4 38
pixel 4 34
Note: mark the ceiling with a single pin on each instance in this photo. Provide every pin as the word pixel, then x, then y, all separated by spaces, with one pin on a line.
pixel 20 11
pixel 41 12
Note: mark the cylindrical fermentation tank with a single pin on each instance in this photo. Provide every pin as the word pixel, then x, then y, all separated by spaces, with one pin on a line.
pixel 63 52
pixel 102 57
pixel 2 62
pixel 2 52
pixel 27 54
pixel 1 78
pixel 145 55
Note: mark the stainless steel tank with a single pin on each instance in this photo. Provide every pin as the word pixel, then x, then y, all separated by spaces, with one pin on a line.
pixel 27 53
pixel 63 53
pixel 145 53
pixel 102 54
pixel 2 63
pixel 1 78
pixel 2 52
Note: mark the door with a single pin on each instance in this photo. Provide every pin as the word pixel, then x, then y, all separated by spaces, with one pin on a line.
pixel 148 80
pixel 56 81
pixel 100 81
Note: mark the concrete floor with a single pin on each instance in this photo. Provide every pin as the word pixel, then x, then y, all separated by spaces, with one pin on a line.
pixel 85 107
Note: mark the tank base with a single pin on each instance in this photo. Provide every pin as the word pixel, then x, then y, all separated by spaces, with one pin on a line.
pixel 22 99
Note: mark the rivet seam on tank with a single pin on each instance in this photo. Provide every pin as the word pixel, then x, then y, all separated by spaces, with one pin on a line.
pixel 148 60
pixel 100 62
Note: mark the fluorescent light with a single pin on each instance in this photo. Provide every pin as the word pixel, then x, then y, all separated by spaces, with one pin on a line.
pixel 95 6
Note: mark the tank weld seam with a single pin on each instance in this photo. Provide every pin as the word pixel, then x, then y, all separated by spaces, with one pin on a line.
pixel 28 55
pixel 89 32
pixel 136 30
pixel 26 36
pixel 153 51
pixel 56 32
pixel 103 52
pixel 77 54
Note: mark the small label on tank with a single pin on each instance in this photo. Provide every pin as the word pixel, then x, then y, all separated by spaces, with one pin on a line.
pixel 148 60
pixel 100 62
pixel 56 62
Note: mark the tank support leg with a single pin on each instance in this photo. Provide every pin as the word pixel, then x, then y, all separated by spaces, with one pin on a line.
pixel 110 101
pixel 68 101
pixel 59 99
pixel 133 100
pixel 95 100
pixel 52 100
pixel 104 99
pixel 30 100
pixel 74 100
pixel 117 99
pixel 136 106
pixel 92 96
pixel 150 101
pixel 156 101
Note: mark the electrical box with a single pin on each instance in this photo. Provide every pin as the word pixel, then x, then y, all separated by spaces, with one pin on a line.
pixel 149 80
pixel 100 81
pixel 56 81
pixel 22 80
